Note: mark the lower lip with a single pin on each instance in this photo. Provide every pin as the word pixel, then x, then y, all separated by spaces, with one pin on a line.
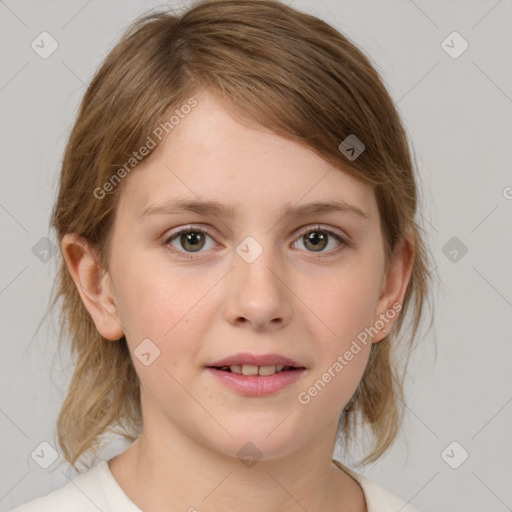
pixel 257 385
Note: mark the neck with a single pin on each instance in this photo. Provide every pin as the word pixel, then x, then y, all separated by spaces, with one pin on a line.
pixel 169 468
pixel 177 472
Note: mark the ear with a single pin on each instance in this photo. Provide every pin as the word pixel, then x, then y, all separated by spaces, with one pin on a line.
pixel 394 284
pixel 94 285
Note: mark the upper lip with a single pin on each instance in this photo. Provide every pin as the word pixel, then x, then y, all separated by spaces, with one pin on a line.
pixel 257 360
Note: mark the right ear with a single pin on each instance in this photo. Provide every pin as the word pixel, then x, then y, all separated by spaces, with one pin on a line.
pixel 94 285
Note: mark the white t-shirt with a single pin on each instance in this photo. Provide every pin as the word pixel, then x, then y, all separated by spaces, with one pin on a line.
pixel 97 489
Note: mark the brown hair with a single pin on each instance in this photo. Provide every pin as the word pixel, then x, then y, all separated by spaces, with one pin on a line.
pixel 273 65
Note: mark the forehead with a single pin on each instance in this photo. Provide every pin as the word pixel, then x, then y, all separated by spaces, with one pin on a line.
pixel 210 156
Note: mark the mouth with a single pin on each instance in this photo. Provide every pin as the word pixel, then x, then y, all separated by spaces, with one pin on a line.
pixel 254 364
pixel 257 375
pixel 251 369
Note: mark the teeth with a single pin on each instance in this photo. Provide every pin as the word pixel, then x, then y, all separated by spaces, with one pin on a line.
pixel 250 369
pixel 267 370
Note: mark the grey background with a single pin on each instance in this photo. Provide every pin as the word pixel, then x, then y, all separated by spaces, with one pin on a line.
pixel 458 113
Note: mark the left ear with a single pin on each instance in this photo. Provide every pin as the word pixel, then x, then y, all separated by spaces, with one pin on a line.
pixel 394 284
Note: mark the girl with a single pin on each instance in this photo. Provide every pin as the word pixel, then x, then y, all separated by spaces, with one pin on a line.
pixel 236 217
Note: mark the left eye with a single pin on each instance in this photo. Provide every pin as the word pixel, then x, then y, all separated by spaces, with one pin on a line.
pixel 317 239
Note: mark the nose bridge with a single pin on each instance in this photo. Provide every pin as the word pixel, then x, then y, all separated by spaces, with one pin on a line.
pixel 258 294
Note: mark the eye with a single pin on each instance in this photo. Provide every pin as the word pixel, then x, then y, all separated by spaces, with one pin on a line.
pixel 316 239
pixel 190 240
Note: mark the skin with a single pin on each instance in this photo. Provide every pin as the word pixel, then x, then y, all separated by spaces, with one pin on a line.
pixel 290 301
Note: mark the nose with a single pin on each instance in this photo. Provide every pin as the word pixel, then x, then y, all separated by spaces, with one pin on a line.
pixel 259 295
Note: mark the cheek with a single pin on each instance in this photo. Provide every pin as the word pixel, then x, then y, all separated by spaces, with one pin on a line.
pixel 342 359
pixel 173 309
pixel 346 303
pixel 155 301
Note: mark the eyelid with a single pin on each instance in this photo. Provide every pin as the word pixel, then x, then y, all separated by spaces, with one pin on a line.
pixel 183 229
pixel 329 229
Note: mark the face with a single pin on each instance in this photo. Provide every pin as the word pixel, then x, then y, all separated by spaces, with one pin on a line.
pixel 244 279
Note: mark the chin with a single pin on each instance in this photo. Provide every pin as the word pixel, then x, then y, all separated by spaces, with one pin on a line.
pixel 252 445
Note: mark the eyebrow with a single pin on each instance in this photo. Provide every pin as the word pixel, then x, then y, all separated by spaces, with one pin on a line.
pixel 220 210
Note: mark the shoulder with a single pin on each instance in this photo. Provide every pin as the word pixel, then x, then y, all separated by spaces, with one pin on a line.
pixel 94 490
pixel 378 499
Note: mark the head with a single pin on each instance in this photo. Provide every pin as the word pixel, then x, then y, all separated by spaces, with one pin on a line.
pixel 243 104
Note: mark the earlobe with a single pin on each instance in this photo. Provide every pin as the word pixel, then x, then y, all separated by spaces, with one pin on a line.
pixel 395 285
pixel 93 284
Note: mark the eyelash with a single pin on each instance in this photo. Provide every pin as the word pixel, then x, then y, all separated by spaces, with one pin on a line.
pixel 313 229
